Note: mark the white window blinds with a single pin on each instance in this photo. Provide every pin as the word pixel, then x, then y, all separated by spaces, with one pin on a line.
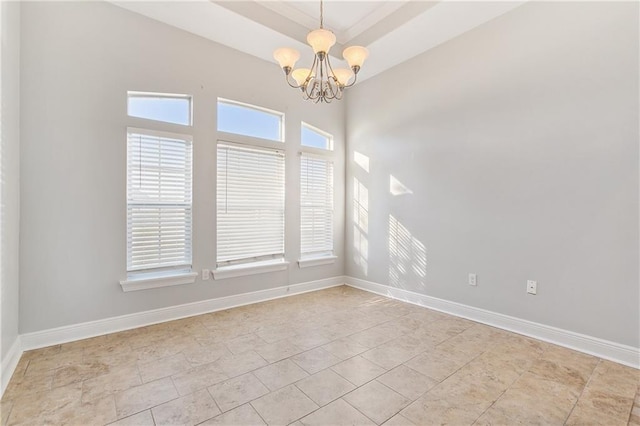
pixel 158 200
pixel 250 204
pixel 316 206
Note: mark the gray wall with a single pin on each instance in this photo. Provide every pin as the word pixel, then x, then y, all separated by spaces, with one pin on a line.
pixel 10 179
pixel 519 142
pixel 78 61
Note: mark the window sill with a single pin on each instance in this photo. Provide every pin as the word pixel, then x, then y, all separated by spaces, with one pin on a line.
pixel 249 269
pixel 316 261
pixel 145 282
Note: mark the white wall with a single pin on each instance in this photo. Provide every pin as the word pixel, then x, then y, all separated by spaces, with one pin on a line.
pixel 10 175
pixel 519 142
pixel 78 61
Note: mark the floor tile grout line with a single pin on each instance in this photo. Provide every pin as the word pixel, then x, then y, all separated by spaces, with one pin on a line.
pixel 356 408
pixel 498 398
pixel 582 392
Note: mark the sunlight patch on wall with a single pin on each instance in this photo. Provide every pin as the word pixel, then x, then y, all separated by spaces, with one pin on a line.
pixel 360 225
pixel 397 188
pixel 407 256
pixel 361 160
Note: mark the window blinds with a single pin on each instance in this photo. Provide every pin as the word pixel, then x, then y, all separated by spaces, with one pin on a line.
pixel 158 200
pixel 316 206
pixel 250 204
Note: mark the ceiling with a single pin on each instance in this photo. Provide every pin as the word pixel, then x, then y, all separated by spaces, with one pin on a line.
pixel 393 31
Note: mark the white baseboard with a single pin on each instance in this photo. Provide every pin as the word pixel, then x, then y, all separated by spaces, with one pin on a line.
pixel 54 336
pixel 612 351
pixel 9 363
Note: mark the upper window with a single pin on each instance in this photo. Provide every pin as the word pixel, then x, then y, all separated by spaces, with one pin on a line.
pixel 248 120
pixel 160 107
pixel 158 200
pixel 316 138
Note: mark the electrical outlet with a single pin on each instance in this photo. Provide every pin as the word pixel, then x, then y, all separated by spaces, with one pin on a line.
pixel 472 279
pixel 206 274
pixel 532 287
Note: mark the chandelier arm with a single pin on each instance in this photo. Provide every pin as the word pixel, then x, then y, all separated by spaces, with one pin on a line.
pixel 288 80
pixel 355 78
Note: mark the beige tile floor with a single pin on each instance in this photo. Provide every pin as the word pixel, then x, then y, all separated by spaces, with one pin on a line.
pixel 334 357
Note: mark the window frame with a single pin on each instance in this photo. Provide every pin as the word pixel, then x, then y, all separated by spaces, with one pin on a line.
pixel 231 269
pixel 162 276
pixel 318 259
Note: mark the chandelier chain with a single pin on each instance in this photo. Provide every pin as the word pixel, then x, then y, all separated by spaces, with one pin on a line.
pixel 321 14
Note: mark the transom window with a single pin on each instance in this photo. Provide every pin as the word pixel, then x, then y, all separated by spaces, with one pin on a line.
pixel 176 109
pixel 316 138
pixel 249 120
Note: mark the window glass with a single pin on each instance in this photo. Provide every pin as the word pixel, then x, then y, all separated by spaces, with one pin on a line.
pixel 154 106
pixel 247 120
pixel 315 138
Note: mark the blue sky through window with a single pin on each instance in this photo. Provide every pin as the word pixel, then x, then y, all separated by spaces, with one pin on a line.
pixel 248 121
pixel 161 108
pixel 314 139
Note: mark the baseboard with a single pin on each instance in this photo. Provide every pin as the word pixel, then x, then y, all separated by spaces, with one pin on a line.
pixel 605 349
pixel 85 330
pixel 9 363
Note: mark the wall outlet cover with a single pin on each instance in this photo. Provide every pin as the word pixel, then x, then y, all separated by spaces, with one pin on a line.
pixel 473 279
pixel 532 287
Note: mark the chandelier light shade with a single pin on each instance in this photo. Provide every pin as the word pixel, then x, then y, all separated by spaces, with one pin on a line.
pixel 320 82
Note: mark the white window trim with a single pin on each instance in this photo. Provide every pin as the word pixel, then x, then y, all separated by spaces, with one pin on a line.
pixel 308 262
pixel 157 280
pixel 160 133
pixel 243 269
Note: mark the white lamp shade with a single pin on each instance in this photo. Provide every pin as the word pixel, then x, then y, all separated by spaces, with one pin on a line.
pixel 343 75
pixel 286 57
pixel 355 55
pixel 321 40
pixel 300 75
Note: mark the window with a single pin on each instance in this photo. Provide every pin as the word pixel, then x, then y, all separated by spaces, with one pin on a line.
pixel 250 204
pixel 316 206
pixel 316 200
pixel 316 138
pixel 160 107
pixel 158 201
pixel 248 120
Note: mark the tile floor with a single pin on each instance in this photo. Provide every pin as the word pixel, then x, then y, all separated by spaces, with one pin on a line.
pixel 334 357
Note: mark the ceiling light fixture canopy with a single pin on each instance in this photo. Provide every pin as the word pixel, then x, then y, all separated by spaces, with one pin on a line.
pixel 321 83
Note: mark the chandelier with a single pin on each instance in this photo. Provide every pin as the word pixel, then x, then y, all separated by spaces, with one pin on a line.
pixel 321 83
